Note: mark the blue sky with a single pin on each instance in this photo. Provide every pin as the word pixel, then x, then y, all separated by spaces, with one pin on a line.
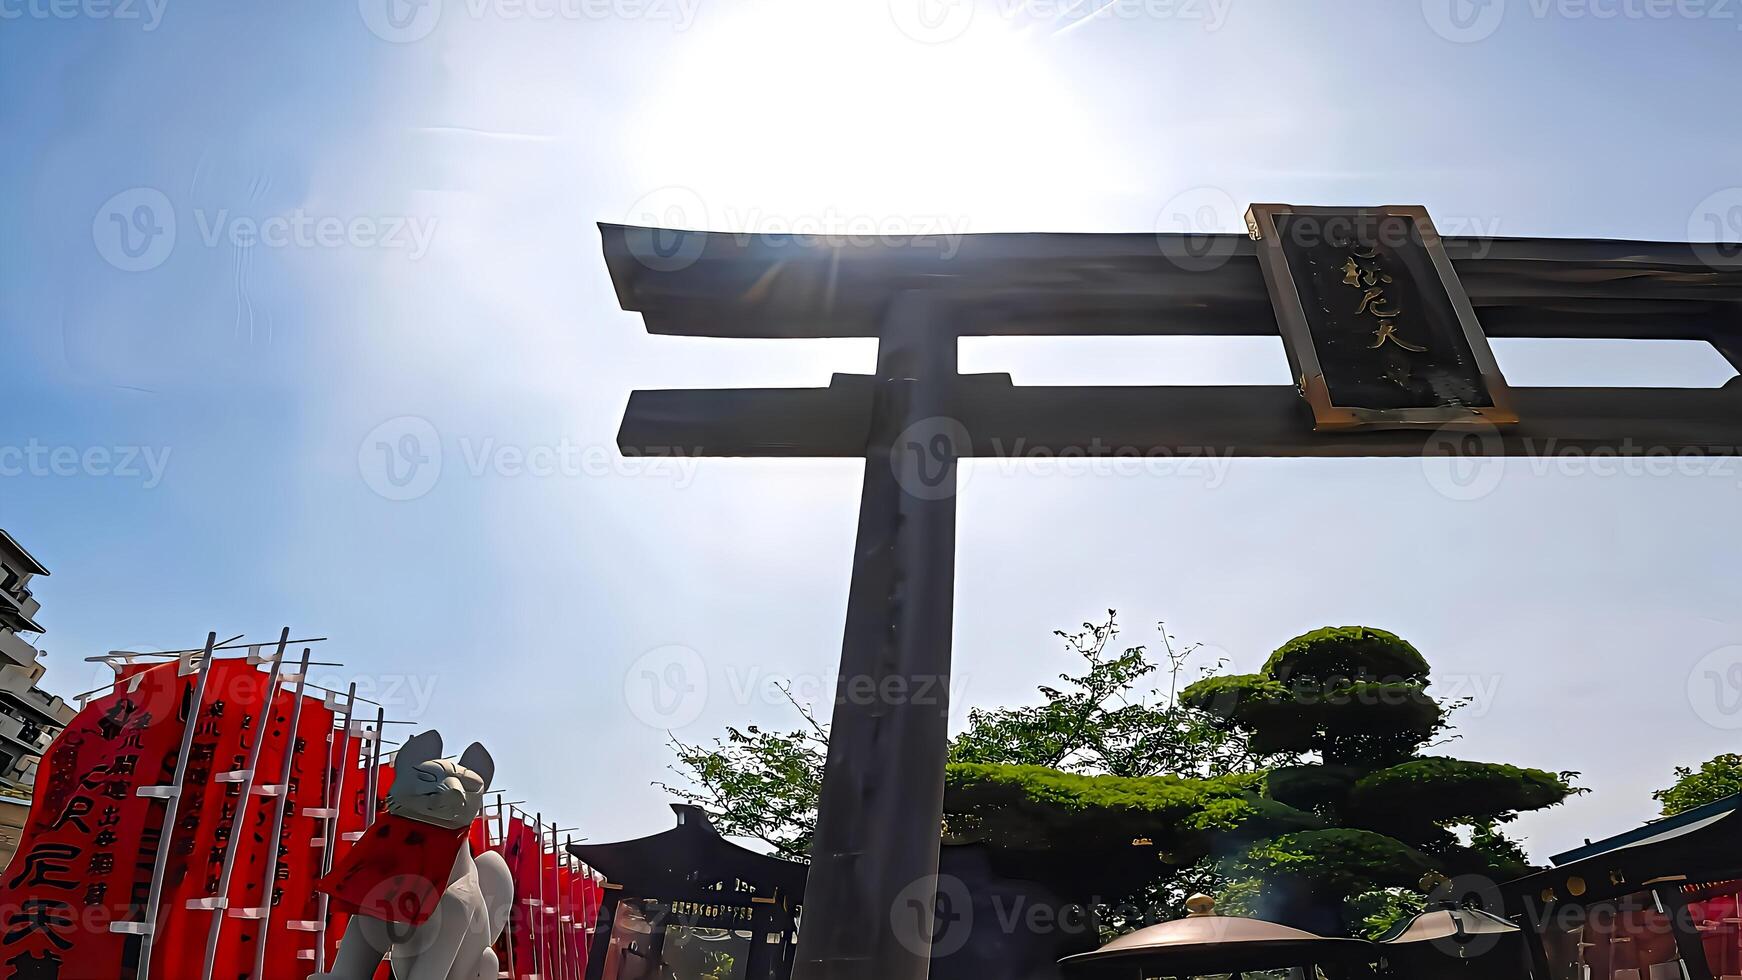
pixel 384 229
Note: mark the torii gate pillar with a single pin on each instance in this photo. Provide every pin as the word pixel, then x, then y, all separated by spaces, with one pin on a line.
pixel 875 858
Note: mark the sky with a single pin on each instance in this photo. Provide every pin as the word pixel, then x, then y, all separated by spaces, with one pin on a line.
pixel 297 301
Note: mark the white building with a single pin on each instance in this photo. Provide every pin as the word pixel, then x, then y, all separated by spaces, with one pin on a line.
pixel 29 716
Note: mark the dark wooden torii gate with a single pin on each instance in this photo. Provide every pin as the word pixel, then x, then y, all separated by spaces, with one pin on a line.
pixel 868 908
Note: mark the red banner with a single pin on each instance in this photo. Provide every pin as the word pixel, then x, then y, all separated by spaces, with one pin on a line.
pixel 228 719
pixel 85 854
pixel 550 918
pixel 353 806
pixel 520 850
pixel 566 918
pixel 586 896
pixel 298 861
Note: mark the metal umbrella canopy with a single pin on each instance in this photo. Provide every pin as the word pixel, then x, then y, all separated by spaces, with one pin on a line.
pixel 1453 941
pixel 1206 943
pixel 1460 927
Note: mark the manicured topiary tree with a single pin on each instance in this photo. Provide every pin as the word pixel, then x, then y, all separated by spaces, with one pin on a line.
pixel 1355 700
pixel 1109 835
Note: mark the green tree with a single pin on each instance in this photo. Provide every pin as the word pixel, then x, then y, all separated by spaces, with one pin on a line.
pixel 757 783
pixel 1109 718
pixel 1716 779
pixel 1355 700
pixel 1112 718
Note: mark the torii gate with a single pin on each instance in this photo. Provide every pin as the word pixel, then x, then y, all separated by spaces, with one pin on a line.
pixel 875 855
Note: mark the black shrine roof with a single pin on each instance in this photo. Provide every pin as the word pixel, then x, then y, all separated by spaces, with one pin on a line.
pixel 685 862
pixel 1705 848
pixel 1656 829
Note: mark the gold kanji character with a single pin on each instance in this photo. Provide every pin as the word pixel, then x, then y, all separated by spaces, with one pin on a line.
pixel 1371 303
pixel 1388 331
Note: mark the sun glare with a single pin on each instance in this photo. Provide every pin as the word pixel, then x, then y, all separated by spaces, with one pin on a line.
pixel 826 112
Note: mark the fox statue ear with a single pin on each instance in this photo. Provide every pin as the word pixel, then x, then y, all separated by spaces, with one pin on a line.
pixel 477 759
pixel 418 749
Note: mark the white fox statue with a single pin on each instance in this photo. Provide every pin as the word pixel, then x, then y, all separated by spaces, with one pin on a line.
pixel 412 884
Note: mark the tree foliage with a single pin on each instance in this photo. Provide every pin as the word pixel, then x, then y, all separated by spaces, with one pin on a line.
pixel 1111 718
pixel 1714 780
pixel 1301 791
pixel 757 783
pixel 1356 698
pixel 1118 714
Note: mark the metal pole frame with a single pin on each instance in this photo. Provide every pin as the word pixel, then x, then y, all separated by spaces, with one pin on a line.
pixel 374 778
pixel 335 791
pixel 574 920
pixel 172 795
pixel 508 933
pixel 538 960
pixel 277 835
pixel 221 901
pixel 564 968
